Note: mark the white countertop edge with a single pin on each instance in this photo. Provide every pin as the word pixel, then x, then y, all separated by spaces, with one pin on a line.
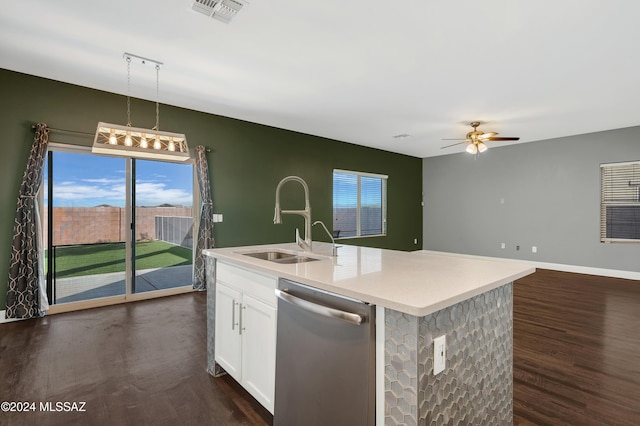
pixel 231 255
pixel 438 306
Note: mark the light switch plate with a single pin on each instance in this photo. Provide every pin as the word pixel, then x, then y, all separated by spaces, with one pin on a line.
pixel 439 354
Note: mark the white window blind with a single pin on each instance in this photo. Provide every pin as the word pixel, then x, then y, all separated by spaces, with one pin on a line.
pixel 359 204
pixel 620 202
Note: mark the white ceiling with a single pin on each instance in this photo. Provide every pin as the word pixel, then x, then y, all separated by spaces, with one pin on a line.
pixel 359 71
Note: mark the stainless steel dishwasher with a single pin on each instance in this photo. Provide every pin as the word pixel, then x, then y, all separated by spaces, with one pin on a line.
pixel 325 358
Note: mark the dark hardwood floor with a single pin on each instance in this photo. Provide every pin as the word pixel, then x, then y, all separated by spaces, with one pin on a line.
pixel 576 350
pixel 576 360
pixel 141 363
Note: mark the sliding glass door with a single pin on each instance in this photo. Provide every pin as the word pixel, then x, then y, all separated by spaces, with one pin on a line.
pixel 163 225
pixel 85 226
pixel 115 226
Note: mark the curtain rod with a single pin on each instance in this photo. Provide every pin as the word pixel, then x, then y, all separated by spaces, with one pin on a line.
pixel 76 132
pixel 33 127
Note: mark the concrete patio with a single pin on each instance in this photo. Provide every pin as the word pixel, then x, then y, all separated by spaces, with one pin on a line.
pixel 103 285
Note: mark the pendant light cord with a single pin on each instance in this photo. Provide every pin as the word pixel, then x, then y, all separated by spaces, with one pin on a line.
pixel 128 91
pixel 157 97
pixel 157 126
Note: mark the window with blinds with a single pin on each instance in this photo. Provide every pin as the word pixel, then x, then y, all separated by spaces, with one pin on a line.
pixel 359 204
pixel 620 202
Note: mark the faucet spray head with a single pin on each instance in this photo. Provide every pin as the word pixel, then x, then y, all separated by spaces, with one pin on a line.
pixel 277 219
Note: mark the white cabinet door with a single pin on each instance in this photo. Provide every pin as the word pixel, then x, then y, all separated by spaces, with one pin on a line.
pixel 259 350
pixel 245 331
pixel 228 349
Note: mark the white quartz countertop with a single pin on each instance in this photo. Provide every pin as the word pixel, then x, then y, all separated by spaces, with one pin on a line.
pixel 417 283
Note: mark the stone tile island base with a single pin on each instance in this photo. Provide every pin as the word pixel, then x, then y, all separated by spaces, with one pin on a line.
pixel 476 386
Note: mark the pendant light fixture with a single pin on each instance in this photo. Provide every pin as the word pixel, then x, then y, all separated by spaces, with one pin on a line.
pixel 128 141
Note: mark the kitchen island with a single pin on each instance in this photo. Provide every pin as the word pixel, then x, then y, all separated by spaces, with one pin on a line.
pixel 419 296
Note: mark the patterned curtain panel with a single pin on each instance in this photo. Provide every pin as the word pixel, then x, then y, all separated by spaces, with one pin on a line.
pixel 205 229
pixel 26 296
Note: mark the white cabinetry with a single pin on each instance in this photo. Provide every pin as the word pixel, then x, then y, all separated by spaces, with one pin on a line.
pixel 245 334
pixel 228 339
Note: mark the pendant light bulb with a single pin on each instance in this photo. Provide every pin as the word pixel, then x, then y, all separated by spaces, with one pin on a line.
pixel 112 138
pixel 156 144
pixel 127 139
pixel 143 141
pixel 172 146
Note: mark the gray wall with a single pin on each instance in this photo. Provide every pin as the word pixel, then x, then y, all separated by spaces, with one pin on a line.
pixel 551 199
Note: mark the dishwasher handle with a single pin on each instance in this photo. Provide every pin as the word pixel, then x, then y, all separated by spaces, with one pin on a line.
pixel 325 311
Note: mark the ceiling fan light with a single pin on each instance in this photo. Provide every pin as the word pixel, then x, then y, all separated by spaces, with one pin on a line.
pixel 476 139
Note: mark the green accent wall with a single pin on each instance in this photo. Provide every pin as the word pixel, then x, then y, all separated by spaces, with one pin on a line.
pixel 246 162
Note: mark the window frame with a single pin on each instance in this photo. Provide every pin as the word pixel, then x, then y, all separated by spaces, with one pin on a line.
pixel 611 187
pixel 384 182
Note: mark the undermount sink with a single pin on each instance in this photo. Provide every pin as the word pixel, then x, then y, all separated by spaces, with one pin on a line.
pixel 280 257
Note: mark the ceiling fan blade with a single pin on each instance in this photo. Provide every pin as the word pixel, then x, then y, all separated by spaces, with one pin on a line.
pixel 449 146
pixel 502 139
pixel 453 139
pixel 487 135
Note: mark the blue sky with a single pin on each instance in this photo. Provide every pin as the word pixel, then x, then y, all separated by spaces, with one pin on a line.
pixel 85 180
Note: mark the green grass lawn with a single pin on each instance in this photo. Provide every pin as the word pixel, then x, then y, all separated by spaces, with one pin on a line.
pixel 105 258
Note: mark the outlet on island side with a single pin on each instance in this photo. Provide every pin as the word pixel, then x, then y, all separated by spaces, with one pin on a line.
pixel 439 354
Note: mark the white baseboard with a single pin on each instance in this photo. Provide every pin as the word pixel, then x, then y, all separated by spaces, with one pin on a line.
pixel 614 273
pixel 3 319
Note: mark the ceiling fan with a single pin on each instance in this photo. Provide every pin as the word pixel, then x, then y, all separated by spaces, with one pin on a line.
pixel 477 138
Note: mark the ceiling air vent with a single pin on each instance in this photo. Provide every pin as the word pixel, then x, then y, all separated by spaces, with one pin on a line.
pixel 222 10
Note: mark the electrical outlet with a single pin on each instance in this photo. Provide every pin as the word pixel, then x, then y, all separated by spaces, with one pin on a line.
pixel 534 249
pixel 439 354
pixel 503 245
pixel 415 241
